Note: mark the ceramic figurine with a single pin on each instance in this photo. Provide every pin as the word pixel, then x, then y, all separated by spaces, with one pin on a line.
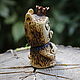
pixel 38 33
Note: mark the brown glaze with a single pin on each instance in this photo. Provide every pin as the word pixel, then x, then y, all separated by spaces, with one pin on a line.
pixel 38 33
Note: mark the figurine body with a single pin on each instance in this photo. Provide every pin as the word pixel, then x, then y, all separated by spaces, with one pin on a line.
pixel 38 33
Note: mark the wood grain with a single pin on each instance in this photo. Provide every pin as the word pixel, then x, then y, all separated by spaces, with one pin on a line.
pixel 16 66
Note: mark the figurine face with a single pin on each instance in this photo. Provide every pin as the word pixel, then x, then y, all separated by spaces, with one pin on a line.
pixel 37 28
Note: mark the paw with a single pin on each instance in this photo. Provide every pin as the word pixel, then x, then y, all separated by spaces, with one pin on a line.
pixel 53 48
pixel 50 34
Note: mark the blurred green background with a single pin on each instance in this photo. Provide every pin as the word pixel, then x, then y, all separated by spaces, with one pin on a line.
pixel 64 18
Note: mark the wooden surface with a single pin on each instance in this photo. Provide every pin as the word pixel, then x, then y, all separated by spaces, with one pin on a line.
pixel 14 67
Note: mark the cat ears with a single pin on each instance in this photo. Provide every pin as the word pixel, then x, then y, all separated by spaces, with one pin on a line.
pixel 41 10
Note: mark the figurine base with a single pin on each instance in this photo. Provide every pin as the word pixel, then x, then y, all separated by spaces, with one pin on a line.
pixel 45 66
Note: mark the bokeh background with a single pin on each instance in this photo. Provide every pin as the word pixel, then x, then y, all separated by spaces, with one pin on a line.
pixel 64 20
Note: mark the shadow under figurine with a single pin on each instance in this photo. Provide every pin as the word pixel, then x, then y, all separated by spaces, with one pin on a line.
pixel 38 33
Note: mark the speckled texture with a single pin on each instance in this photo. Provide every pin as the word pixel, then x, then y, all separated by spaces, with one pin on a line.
pixel 38 33
pixel 44 57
